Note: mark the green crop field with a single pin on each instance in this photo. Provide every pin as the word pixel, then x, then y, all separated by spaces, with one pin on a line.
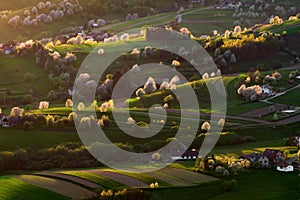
pixel 12 74
pixel 12 188
pixel 289 98
pixel 265 184
pixel 104 182
pixel 11 139
pixel 201 22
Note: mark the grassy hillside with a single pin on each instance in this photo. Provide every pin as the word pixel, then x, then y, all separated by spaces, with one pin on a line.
pixel 205 21
pixel 15 87
pixel 290 98
pixel 265 184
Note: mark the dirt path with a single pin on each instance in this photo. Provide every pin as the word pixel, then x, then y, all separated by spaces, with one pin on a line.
pixel 289 120
pixel 59 186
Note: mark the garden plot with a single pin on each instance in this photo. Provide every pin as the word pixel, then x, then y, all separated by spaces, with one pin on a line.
pixel 70 178
pixel 59 186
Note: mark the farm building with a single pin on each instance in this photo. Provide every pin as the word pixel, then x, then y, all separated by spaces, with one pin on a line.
pixel 266 89
pixel 4 121
pixel 275 156
pixel 190 154
pixel 196 1
pixel 8 121
pixel 285 168
pixel 257 157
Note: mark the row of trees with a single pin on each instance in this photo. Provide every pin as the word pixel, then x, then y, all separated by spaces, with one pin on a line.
pixel 142 8
pixel 69 155
pixel 45 13
pixel 244 48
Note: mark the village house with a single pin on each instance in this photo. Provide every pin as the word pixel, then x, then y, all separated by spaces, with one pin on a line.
pixel 275 156
pixel 256 157
pixel 266 89
pixel 4 120
pixel 7 121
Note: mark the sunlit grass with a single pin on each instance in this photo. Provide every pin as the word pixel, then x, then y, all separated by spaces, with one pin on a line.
pixel 102 181
pixel 12 188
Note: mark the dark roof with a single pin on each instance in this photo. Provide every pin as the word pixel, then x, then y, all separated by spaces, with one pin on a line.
pixel 271 154
pixel 251 155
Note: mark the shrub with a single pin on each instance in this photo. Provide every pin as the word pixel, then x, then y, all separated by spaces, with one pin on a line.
pixel 229 185
pixel 16 111
pixel 69 103
pixel 28 126
pixel 85 122
pixel 3 96
pixel 44 105
pixel 150 85
pixel 27 99
pixel 205 126
pixel 45 34
pixel 140 92
pixel 156 156
pixel 50 120
pixel 29 76
pixel 81 106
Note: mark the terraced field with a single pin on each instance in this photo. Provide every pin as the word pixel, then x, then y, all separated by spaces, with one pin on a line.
pixel 70 178
pixel 188 175
pixel 58 186
pixel 100 180
pixel 121 178
pixel 165 177
pixel 84 183
pixel 14 188
pixel 12 76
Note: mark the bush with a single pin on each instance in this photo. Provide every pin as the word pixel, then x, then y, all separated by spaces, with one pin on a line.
pixel 45 34
pixel 3 96
pixel 28 126
pixel 29 76
pixel 27 99
pixel 229 185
